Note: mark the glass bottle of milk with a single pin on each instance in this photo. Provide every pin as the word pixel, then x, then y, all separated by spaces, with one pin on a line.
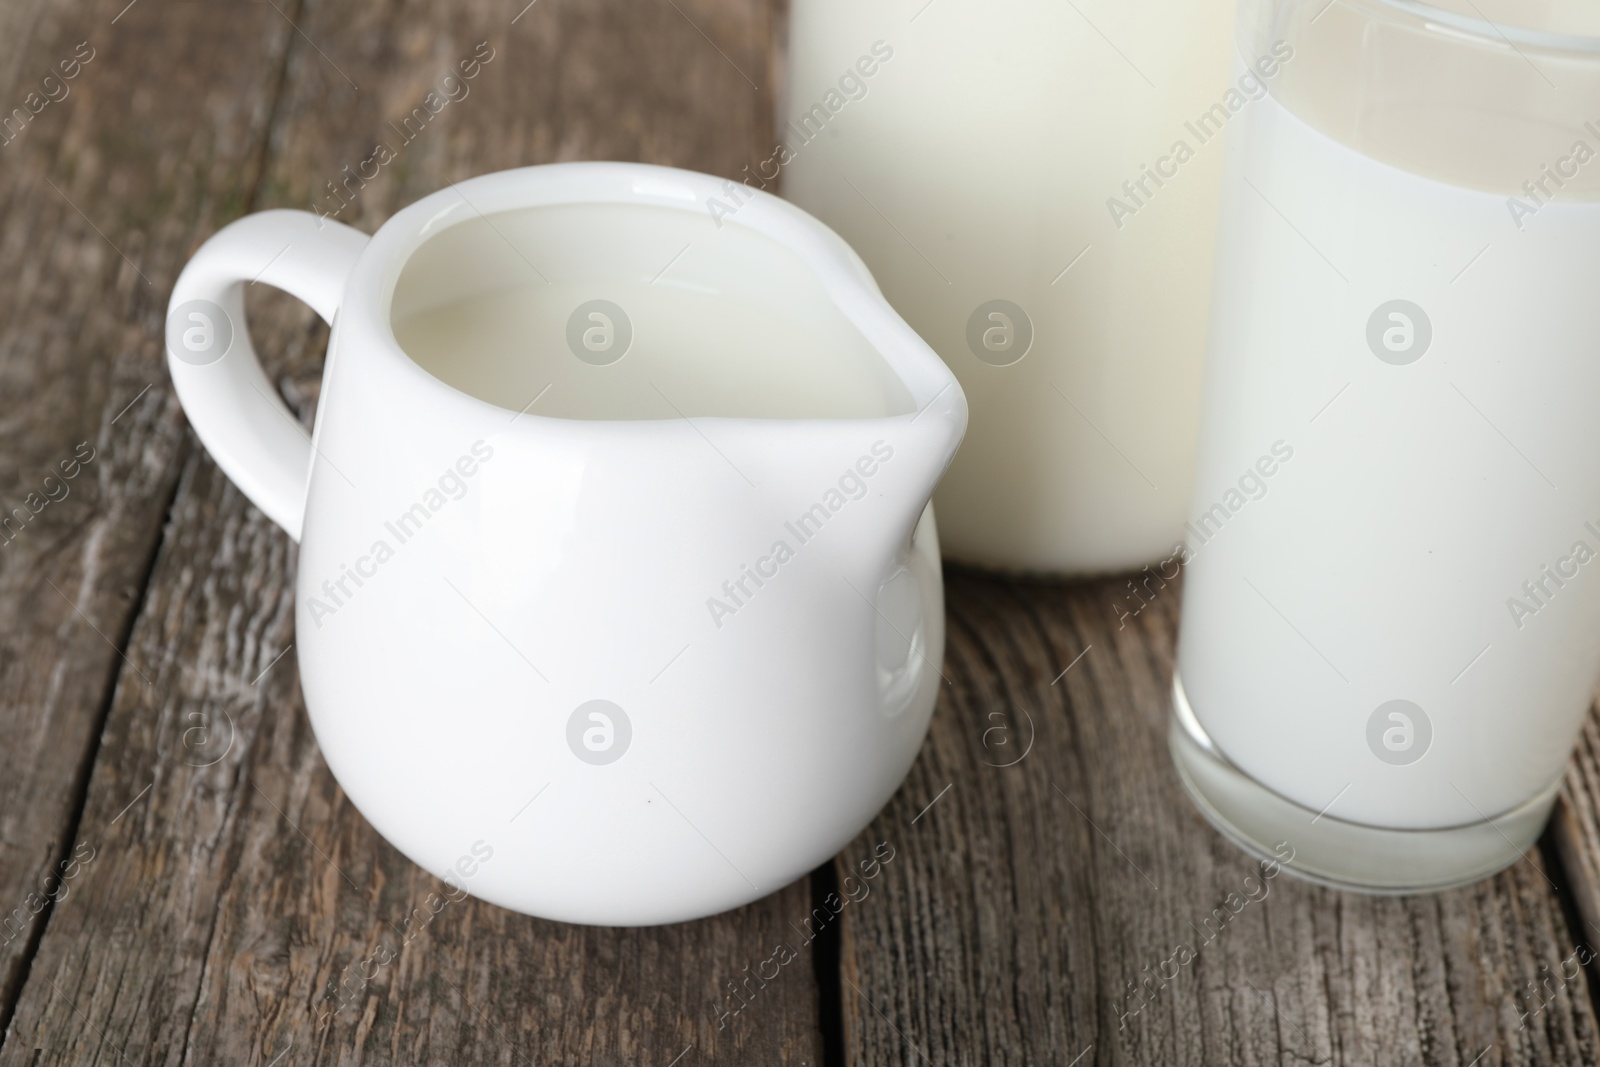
pixel 1391 624
pixel 1034 185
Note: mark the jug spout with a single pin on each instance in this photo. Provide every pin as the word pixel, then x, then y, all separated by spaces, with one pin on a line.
pixel 913 448
pixel 922 447
pixel 884 471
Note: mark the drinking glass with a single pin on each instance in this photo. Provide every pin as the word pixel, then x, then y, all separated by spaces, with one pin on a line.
pixel 1391 627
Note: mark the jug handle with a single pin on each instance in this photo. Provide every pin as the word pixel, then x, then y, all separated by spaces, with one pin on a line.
pixel 236 411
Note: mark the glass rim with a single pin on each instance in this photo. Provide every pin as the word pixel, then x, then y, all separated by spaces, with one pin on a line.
pixel 1484 29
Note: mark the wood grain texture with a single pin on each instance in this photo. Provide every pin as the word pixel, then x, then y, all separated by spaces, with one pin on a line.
pixel 1027 903
pixel 229 905
pixel 1575 832
pixel 104 193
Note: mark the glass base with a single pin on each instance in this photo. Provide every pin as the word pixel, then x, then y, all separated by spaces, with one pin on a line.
pixel 1335 852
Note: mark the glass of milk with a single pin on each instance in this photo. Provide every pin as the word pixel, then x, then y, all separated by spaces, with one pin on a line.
pixel 1391 626
pixel 1034 184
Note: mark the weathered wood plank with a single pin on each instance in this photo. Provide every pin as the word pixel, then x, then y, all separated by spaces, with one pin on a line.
pixel 241 910
pixel 104 192
pixel 1026 906
pixel 1575 831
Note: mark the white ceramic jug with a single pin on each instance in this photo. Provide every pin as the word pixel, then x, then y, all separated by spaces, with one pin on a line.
pixel 619 595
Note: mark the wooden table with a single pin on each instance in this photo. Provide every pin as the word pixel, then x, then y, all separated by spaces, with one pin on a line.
pixel 221 899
